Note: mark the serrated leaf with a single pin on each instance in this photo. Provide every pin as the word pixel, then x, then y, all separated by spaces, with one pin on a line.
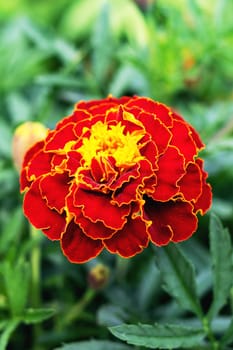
pixel 159 336
pixel 94 345
pixel 37 315
pixel 222 264
pixel 177 274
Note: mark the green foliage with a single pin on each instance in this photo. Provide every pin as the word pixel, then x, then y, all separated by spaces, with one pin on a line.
pixel 177 274
pixel 178 277
pixel 159 336
pixel 94 345
pixel 179 52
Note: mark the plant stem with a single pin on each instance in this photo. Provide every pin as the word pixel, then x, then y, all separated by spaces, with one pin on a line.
pixel 35 281
pixel 209 333
pixel 77 309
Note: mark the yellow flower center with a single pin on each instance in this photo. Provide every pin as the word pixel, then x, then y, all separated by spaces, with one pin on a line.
pixel 106 141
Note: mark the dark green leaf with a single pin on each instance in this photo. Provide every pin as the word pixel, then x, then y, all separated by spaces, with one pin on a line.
pixel 37 315
pixel 177 274
pixel 159 336
pixel 94 345
pixel 221 252
pixel 228 336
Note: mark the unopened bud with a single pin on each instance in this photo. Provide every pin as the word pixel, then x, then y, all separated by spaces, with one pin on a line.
pixel 98 276
pixel 25 136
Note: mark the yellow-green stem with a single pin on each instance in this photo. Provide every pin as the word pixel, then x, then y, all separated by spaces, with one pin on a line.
pixel 210 335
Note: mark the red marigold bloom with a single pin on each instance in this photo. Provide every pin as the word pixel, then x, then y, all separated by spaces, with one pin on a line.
pixel 116 174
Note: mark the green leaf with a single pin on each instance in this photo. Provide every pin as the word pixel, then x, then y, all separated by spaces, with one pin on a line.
pixel 158 336
pixel 11 230
pixel 5 335
pixel 228 336
pixel 177 274
pixel 94 345
pixel 37 315
pixel 16 280
pixel 221 253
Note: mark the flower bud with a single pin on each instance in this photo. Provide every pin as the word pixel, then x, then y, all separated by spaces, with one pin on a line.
pixel 24 137
pixel 98 276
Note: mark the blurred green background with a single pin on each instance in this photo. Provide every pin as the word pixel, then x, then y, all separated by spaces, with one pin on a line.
pixel 54 53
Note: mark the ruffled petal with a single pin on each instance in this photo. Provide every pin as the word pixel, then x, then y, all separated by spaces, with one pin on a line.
pixel 40 215
pixel 182 139
pixel 161 111
pixel 94 230
pixel 159 133
pixel 129 241
pixel 204 201
pixel 190 184
pixel 77 247
pixel 61 138
pixel 51 185
pixel 171 221
pixel 97 207
pixel 170 170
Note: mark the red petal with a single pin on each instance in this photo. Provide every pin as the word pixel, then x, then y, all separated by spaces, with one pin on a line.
pixel 129 191
pixel 40 164
pixel 170 170
pixel 97 207
pixel 61 137
pixel 77 247
pixel 40 215
pixel 183 140
pixel 55 188
pixel 75 117
pixel 130 240
pixel 171 221
pixel 161 111
pixel 190 184
pixel 203 202
pixel 159 132
pixel 93 230
pixel 24 180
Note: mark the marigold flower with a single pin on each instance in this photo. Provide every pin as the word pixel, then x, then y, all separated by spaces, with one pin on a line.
pixel 116 174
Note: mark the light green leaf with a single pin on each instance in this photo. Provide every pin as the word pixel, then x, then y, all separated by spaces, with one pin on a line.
pixel 5 335
pixel 11 230
pixel 94 345
pixel 37 315
pixel 159 336
pixel 16 280
pixel 221 253
pixel 177 274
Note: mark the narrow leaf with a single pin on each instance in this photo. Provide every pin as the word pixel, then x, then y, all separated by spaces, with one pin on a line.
pixel 5 335
pixel 37 315
pixel 177 274
pixel 228 336
pixel 222 265
pixel 16 280
pixel 94 345
pixel 159 336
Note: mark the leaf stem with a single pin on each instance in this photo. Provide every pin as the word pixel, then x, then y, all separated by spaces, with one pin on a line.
pixel 209 334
